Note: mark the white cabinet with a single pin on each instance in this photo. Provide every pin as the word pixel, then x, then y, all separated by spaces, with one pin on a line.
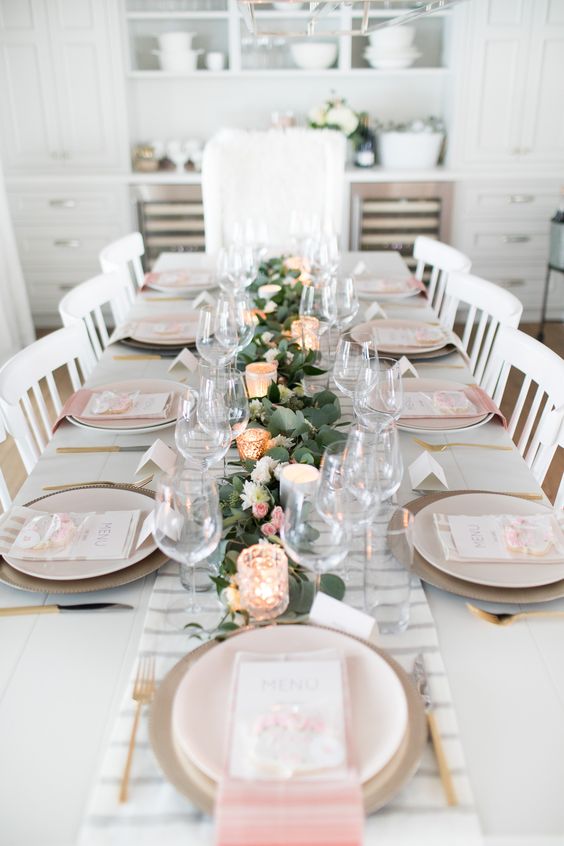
pixel 61 86
pixel 509 105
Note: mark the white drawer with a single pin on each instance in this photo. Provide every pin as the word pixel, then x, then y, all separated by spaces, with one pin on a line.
pixel 502 240
pixel 526 281
pixel 64 246
pixel 68 203
pixel 525 201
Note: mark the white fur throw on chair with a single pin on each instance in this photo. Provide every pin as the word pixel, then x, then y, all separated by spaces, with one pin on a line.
pixel 264 176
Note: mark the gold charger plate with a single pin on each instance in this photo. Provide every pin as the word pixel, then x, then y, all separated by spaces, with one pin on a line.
pixel 192 783
pixel 12 577
pixel 433 576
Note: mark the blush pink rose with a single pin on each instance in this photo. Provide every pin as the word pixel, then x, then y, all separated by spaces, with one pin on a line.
pixel 260 510
pixel 277 517
pixel 268 529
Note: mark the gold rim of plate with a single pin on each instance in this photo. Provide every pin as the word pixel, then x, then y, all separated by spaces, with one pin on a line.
pixel 433 576
pixel 191 782
pixel 12 577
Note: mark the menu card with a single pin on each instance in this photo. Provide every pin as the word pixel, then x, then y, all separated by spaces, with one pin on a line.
pixel 389 337
pixel 107 404
pixel 40 536
pixel 288 718
pixel 501 537
pixel 438 404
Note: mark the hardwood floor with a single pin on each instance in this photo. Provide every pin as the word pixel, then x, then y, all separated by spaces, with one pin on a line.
pixel 14 471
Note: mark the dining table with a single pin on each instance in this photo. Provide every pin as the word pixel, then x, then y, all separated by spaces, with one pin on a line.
pixel 63 678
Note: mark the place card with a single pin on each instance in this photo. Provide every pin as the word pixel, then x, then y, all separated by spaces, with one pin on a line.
pixel 203 299
pixel 406 368
pixel 426 473
pixel 107 405
pixel 184 359
pixel 500 537
pixel 159 456
pixel 328 611
pixel 373 310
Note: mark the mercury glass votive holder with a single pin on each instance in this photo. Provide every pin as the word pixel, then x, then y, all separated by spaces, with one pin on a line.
pixel 252 443
pixel 262 577
pixel 305 332
pixel 258 377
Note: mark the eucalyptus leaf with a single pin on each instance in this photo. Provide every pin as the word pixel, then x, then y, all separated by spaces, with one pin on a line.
pixel 283 421
pixel 332 585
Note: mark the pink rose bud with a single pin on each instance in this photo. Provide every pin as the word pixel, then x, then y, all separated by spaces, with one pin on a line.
pixel 268 529
pixel 260 510
pixel 277 517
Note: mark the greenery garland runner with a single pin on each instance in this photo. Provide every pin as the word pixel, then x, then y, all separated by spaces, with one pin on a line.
pixel 300 428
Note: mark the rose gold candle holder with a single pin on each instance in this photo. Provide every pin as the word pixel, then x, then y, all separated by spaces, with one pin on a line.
pixel 305 332
pixel 258 377
pixel 252 443
pixel 262 576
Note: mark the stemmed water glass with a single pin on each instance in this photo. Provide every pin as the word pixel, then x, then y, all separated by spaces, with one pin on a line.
pixel 312 538
pixel 226 389
pixel 379 393
pixel 317 301
pixel 345 301
pixel 352 362
pixel 202 434
pixel 217 339
pixel 236 267
pixel 187 528
pixel 234 315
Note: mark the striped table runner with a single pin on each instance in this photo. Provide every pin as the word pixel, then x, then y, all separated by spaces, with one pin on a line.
pixel 156 813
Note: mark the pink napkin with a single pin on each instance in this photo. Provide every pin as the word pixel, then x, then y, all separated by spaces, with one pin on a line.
pixel 482 402
pixel 403 284
pixel 78 401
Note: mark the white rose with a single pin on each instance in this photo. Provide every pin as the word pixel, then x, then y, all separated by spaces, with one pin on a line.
pixel 344 118
pixel 266 337
pixel 278 469
pixel 271 354
pixel 317 115
pixel 255 407
pixel 262 473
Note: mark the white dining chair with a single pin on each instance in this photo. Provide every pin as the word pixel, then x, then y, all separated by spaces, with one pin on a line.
pixel 29 396
pixel 482 307
pixel 538 414
pixel 5 498
pixel 266 176
pixel 86 302
pixel 440 260
pixel 124 255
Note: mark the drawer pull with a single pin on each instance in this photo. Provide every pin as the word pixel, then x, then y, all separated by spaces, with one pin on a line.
pixel 63 204
pixel 514 283
pixel 521 198
pixel 515 239
pixel 68 287
pixel 70 243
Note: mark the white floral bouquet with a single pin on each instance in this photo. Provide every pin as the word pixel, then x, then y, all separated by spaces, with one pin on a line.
pixel 334 114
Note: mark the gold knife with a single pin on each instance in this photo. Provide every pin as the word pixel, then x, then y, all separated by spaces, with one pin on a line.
pixel 20 610
pixel 140 448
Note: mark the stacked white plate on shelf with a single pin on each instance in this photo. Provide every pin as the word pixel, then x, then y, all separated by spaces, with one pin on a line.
pixel 391 48
pixel 175 52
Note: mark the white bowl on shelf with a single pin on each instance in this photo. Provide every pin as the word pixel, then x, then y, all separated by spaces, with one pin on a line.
pixel 392 37
pixel 314 55
pixel 388 62
pixel 178 40
pixel 178 61
pixel 409 150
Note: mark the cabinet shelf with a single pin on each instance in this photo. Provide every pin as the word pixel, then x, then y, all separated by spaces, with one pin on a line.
pixel 287 73
pixel 177 16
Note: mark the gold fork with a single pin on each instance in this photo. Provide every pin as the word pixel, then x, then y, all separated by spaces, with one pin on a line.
pixel 140 484
pixel 144 689
pixel 443 447
pixel 507 619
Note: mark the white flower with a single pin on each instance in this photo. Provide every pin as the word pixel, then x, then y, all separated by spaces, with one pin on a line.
pixel 269 307
pixel 255 408
pixel 271 354
pixel 317 115
pixel 299 390
pixel 262 474
pixel 344 118
pixel 278 469
pixel 281 441
pixel 266 337
pixel 285 393
pixel 289 357
pixel 253 493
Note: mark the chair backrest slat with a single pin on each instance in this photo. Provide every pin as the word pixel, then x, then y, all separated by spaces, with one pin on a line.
pixel 124 257
pixel 86 301
pixel 443 260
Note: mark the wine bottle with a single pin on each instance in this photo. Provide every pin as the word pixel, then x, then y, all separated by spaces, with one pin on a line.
pixel 365 147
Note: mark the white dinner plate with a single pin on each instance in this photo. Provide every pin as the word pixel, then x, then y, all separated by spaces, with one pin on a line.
pixel 170 281
pixel 363 332
pixel 378 702
pixel 88 499
pixel 509 574
pixel 191 317
pixel 366 292
pixel 145 386
pixel 442 424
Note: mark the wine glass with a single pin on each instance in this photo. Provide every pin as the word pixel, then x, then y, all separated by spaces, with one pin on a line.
pixel 310 537
pixel 379 393
pixel 187 528
pixel 361 472
pixel 352 359
pixel 345 301
pixel 202 434
pixel 216 340
pixel 389 461
pixel 317 301
pixel 234 315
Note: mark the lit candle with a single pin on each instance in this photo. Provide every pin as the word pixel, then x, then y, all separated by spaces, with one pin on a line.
pixel 301 264
pixel 305 332
pixel 252 443
pixel 258 377
pixel 262 577
pixel 302 476
pixel 266 292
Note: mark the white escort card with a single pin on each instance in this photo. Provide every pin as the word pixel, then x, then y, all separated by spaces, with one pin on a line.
pixel 374 310
pixel 70 535
pixel 406 368
pixel 203 299
pixel 427 474
pixel 159 456
pixel 288 717
pixel 185 359
pixel 328 611
pixel 107 404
